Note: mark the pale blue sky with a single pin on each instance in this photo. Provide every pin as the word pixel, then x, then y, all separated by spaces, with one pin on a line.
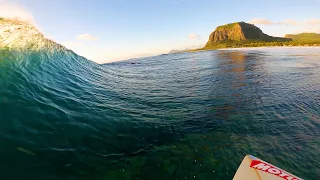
pixel 122 29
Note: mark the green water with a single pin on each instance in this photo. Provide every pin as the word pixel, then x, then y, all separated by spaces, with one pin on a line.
pixel 177 116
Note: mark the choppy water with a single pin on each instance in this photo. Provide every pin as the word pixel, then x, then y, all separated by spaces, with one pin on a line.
pixel 177 116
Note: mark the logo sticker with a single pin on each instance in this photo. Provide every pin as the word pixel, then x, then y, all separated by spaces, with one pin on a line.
pixel 268 168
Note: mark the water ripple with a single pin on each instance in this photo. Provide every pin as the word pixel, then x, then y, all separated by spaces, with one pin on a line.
pixel 163 117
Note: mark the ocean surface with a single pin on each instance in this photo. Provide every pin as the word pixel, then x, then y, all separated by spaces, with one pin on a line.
pixel 177 116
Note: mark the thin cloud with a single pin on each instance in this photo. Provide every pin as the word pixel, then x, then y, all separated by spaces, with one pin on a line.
pixel 290 22
pixel 194 36
pixel 313 21
pixel 260 21
pixel 86 37
pixel 268 22
pixel 308 30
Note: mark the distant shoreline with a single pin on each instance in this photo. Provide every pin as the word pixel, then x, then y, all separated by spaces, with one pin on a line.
pixel 254 47
pixel 269 47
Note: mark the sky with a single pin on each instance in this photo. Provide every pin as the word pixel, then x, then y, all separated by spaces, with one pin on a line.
pixel 113 30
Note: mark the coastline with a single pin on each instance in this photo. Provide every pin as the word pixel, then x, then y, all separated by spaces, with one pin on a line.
pixel 254 47
pixel 268 47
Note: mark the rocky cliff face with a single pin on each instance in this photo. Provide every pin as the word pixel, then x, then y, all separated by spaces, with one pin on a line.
pixel 240 31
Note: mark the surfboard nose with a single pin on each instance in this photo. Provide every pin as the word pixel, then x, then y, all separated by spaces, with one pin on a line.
pixel 252 168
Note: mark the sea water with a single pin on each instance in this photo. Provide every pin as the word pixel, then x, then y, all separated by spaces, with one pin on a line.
pixel 173 116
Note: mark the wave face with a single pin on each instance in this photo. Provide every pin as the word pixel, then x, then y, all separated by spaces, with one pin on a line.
pixel 177 116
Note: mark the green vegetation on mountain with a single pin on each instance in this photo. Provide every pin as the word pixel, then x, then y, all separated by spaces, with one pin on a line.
pixel 304 37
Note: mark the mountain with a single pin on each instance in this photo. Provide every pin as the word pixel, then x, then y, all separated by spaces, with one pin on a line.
pixel 177 51
pixel 185 50
pixel 304 37
pixel 238 32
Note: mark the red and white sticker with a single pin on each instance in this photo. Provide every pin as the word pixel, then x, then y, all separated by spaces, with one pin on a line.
pixel 268 168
